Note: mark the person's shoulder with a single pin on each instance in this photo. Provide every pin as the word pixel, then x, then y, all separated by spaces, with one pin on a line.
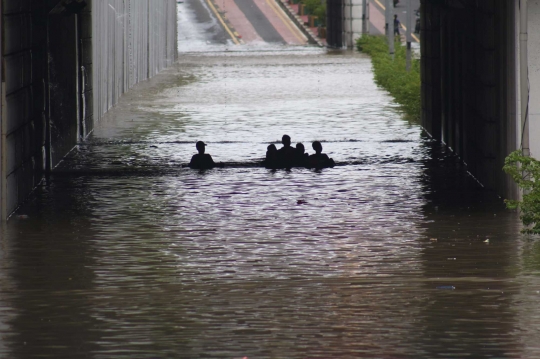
pixel 208 160
pixel 195 161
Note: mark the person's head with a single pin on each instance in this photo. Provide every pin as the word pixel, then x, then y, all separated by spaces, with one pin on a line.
pixel 317 147
pixel 271 148
pixel 286 140
pixel 200 147
pixel 300 148
pixel 395 16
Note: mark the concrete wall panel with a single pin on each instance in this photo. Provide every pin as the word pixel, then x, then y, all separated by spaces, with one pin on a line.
pixel 136 41
pixel 10 6
pixel 19 76
pixel 534 77
pixel 18 105
pixel 19 27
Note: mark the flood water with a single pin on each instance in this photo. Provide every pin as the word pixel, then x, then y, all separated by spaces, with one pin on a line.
pixel 394 253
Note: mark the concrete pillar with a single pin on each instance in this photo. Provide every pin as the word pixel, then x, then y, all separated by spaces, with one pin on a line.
pixel 3 193
pixel 334 23
pixel 534 77
pixel 468 83
pixel 431 68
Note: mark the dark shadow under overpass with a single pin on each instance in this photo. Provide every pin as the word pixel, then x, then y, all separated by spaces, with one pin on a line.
pixel 468 83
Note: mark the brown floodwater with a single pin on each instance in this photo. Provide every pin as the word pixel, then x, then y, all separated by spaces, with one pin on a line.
pixel 394 253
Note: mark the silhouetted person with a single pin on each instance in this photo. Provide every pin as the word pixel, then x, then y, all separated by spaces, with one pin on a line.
pixel 286 153
pixel 397 24
pixel 319 159
pixel 271 160
pixel 300 156
pixel 201 160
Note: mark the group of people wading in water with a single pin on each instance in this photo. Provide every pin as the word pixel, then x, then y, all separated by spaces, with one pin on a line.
pixel 286 157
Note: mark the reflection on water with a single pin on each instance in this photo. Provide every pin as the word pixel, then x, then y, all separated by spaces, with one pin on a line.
pixel 126 254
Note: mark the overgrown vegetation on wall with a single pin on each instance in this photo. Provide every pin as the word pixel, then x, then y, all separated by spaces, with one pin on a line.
pixel 391 74
pixel 525 171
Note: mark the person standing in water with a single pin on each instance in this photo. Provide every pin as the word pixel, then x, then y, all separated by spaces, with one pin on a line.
pixel 271 160
pixel 300 156
pixel 286 153
pixel 201 160
pixel 319 159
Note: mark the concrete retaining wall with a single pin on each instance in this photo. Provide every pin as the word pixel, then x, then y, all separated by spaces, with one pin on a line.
pixel 23 90
pixel 469 84
pixel 136 40
pixel 64 66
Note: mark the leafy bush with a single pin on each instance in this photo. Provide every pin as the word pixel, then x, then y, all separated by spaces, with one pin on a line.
pixel 311 5
pixel 320 12
pixel 316 8
pixel 391 74
pixel 525 171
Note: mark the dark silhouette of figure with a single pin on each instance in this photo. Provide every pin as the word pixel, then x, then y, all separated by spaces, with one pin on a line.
pixel 201 160
pixel 397 24
pixel 286 153
pixel 271 160
pixel 319 159
pixel 300 156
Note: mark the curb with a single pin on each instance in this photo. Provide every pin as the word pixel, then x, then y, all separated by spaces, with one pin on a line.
pixel 312 39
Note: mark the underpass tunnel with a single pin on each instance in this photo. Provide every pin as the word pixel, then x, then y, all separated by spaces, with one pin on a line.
pixel 57 81
pixel 468 64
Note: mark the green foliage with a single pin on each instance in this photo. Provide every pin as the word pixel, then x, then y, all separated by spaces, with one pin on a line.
pixel 320 12
pixel 311 5
pixel 314 7
pixel 525 171
pixel 391 74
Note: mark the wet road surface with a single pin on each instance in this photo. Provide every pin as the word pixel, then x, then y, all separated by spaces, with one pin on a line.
pixel 238 22
pixel 394 253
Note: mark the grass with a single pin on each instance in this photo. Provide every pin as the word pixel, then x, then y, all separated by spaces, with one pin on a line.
pixel 391 74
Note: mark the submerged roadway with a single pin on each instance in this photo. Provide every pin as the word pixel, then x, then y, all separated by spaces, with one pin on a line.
pixel 394 253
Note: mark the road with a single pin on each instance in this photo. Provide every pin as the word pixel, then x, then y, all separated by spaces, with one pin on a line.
pixel 263 21
pixel 240 22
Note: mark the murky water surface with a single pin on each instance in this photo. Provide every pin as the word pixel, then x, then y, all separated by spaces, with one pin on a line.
pixel 127 254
